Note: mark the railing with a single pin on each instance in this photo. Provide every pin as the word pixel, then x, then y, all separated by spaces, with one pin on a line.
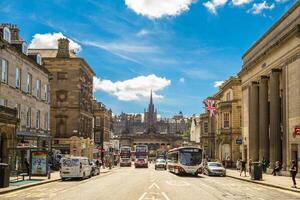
pixel 12 112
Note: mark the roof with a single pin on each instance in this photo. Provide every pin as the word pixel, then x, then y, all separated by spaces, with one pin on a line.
pixel 49 53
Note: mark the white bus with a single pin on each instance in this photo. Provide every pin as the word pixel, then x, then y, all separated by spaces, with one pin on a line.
pixel 125 156
pixel 185 160
pixel 141 156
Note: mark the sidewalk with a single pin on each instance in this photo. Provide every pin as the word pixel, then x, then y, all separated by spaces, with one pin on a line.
pixel 281 182
pixel 37 180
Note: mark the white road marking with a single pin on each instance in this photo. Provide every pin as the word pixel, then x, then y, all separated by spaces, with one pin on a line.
pixel 177 183
pixel 143 195
pixel 153 184
pixel 165 195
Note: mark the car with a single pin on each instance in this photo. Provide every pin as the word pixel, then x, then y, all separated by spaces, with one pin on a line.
pixel 160 164
pixel 95 169
pixel 75 167
pixel 214 169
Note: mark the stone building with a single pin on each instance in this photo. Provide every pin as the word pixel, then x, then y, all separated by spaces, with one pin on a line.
pixel 207 134
pixel 102 125
pixel 71 98
pixel 271 92
pixel 228 120
pixel 195 130
pixel 24 85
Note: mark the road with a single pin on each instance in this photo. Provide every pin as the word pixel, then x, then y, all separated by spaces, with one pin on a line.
pixel 148 184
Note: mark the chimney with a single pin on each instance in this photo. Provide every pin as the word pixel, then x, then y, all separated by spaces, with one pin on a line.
pixel 63 48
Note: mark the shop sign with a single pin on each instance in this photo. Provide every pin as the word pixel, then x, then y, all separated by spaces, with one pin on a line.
pixel 39 166
pixel 238 141
pixel 297 130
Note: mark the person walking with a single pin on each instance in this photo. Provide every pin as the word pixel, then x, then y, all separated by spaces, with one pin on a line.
pixel 238 162
pixel 250 166
pixel 277 168
pixel 293 171
pixel 264 164
pixel 243 167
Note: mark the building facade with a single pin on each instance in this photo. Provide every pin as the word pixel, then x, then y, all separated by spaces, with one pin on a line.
pixel 195 131
pixel 228 120
pixel 71 98
pixel 271 94
pixel 24 85
pixel 207 134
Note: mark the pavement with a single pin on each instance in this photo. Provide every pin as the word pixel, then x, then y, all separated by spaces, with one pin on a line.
pixel 128 183
pixel 36 181
pixel 281 182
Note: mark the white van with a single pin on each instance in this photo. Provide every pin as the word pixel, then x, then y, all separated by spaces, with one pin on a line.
pixel 75 167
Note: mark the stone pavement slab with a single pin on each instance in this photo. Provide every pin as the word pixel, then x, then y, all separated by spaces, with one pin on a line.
pixel 281 182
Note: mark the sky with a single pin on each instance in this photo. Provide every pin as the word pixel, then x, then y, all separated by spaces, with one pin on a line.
pixel 181 49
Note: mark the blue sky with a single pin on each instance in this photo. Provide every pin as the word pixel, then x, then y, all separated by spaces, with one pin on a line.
pixel 178 48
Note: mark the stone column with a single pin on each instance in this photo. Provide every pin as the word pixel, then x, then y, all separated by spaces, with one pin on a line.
pixel 275 108
pixel 253 123
pixel 263 119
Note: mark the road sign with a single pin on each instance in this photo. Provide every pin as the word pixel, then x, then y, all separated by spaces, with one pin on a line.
pixel 238 141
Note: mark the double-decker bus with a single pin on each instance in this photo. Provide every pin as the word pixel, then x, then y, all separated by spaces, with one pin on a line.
pixel 141 156
pixel 125 156
pixel 185 160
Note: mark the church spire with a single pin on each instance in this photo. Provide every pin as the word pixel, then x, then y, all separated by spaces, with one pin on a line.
pixel 151 101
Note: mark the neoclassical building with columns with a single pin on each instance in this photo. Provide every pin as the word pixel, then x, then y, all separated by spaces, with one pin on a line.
pixel 270 78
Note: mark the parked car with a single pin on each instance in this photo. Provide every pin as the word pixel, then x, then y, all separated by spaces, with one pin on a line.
pixel 95 169
pixel 214 169
pixel 75 167
pixel 161 164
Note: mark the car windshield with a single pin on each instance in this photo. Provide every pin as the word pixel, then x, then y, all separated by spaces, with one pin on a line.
pixel 190 157
pixel 161 161
pixel 70 162
pixel 215 165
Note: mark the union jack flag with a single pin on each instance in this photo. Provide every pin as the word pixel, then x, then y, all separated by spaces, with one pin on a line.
pixel 210 106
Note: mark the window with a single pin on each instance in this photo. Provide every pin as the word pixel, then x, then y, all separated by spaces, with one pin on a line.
pixel 3 102
pixel 226 120
pixel 18 107
pixel 24 48
pixel 46 121
pixel 98 122
pixel 37 119
pixel 28 117
pixel 62 75
pixel 18 78
pixel 4 71
pixel 205 127
pixel 38 88
pixel 29 83
pixel 228 96
pixel 6 34
pixel 39 59
pixel 46 92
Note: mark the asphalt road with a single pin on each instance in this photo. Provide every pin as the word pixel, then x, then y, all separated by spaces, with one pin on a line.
pixel 148 184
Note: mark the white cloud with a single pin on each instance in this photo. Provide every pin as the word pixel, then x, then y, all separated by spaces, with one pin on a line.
pixel 258 8
pixel 218 83
pixel 214 4
pixel 182 80
pixel 158 8
pixel 143 32
pixel 49 41
pixel 133 89
pixel 240 2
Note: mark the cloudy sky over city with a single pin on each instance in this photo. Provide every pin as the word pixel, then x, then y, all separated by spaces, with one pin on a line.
pixel 181 49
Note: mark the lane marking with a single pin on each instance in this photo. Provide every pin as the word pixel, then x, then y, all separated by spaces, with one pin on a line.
pixel 143 195
pixel 165 195
pixel 152 185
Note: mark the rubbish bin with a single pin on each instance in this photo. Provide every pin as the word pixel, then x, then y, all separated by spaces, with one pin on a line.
pixel 256 171
pixel 4 175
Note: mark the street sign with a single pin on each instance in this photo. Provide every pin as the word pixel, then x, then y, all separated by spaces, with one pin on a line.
pixel 238 141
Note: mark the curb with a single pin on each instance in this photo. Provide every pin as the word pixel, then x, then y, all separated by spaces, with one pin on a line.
pixel 265 184
pixel 27 186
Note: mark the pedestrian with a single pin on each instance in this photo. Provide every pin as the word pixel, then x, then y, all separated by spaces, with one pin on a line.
pixel 293 171
pixel 238 164
pixel 264 164
pixel 250 166
pixel 27 166
pixel 243 167
pixel 277 168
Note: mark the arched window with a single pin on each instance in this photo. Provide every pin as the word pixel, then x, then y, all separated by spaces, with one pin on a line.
pixel 6 34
